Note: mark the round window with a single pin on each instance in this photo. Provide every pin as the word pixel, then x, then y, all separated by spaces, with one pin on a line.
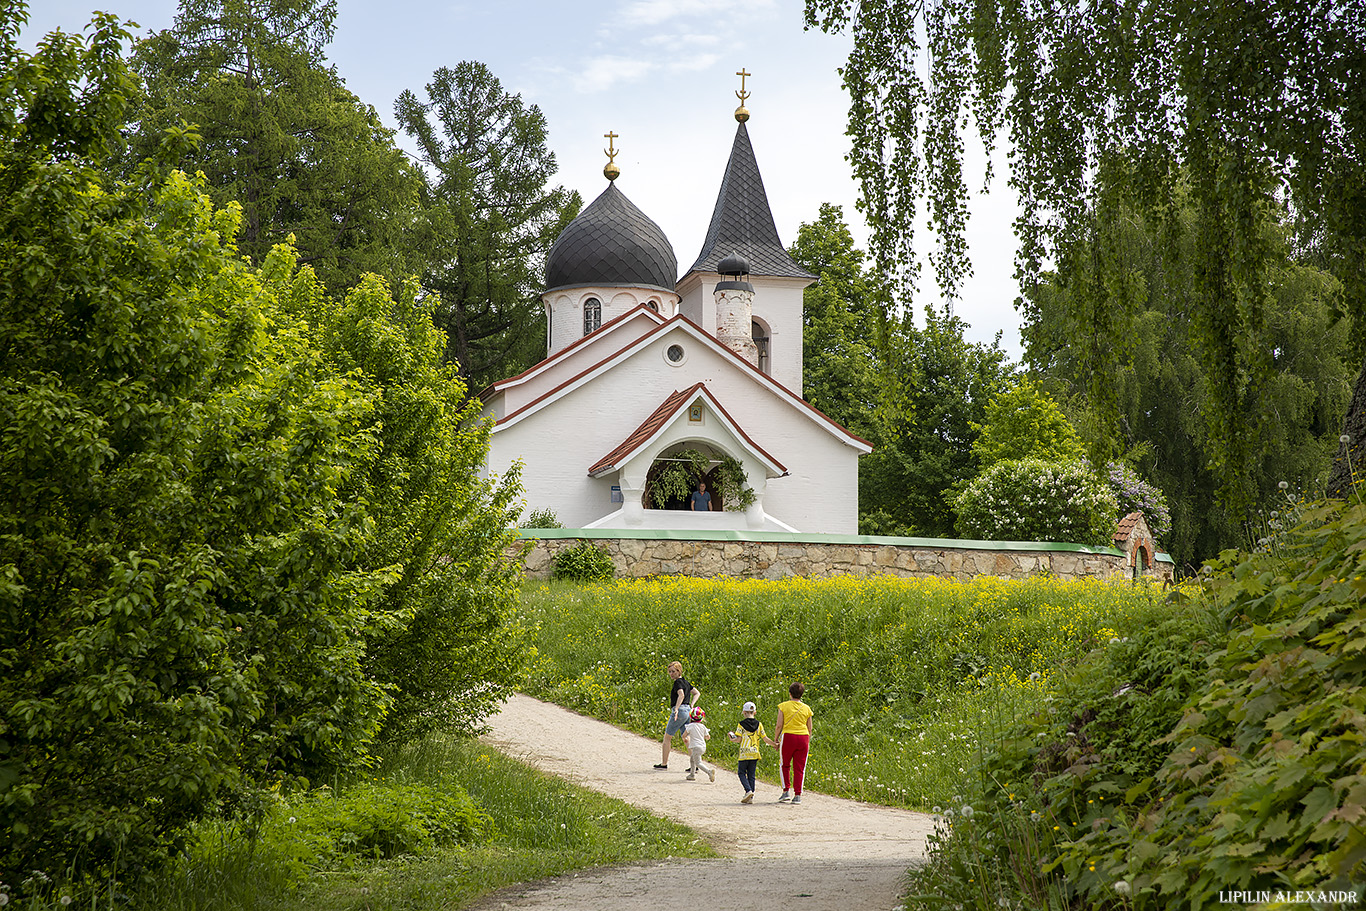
pixel 675 354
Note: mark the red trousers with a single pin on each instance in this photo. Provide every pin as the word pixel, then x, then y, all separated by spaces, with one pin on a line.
pixel 795 748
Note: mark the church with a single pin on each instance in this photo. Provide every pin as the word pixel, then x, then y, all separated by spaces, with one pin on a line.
pixel 675 403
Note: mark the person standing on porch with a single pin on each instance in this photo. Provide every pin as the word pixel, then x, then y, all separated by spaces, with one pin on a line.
pixel 700 501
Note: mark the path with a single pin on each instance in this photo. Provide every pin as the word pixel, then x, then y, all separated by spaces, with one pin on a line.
pixel 827 854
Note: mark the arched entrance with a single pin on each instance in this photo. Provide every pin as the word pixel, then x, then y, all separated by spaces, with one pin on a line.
pixel 676 472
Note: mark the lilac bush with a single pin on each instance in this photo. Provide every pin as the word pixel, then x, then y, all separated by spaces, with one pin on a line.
pixel 1135 494
pixel 1038 500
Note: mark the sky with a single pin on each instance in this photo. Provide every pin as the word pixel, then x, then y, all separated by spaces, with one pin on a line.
pixel 661 75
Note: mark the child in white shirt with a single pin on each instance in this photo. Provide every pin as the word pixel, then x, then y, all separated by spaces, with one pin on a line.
pixel 698 735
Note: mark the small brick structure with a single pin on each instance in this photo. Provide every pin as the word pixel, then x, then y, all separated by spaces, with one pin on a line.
pixel 776 555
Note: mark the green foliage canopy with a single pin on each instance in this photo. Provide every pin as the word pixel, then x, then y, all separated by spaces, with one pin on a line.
pixel 491 217
pixel 281 135
pixel 240 529
pixel 1023 422
pixel 840 329
pixel 936 386
pixel 1150 409
pixel 1238 102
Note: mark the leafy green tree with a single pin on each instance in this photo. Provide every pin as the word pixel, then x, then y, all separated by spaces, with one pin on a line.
pixel 936 389
pixel 492 217
pixel 840 323
pixel 1150 410
pixel 441 643
pixel 178 610
pixel 1023 422
pixel 1235 103
pixel 240 530
pixel 281 135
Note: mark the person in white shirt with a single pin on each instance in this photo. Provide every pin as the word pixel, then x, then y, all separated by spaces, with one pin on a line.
pixel 698 735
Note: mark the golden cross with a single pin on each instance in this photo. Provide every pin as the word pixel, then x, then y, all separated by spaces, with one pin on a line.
pixel 742 94
pixel 610 151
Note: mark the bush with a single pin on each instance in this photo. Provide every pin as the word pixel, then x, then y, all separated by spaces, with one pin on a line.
pixel 1038 500
pixel 584 562
pixel 323 830
pixel 1065 770
pixel 1136 495
pixel 1262 788
pixel 542 518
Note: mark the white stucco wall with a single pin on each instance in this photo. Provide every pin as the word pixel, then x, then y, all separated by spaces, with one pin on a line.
pixel 777 302
pixel 565 309
pixel 561 439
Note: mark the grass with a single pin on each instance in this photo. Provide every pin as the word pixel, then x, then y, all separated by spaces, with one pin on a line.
pixel 538 826
pixel 908 678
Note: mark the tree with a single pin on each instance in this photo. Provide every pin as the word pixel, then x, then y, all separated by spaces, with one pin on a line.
pixel 178 612
pixel 1238 102
pixel 281 136
pixel 1024 423
pixel 840 323
pixel 240 530
pixel 1038 500
pixel 936 389
pixel 442 643
pixel 1149 411
pixel 493 217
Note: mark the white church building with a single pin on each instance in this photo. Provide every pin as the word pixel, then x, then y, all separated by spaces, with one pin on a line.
pixel 643 365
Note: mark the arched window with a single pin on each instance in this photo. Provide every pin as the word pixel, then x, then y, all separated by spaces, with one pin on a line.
pixel 759 332
pixel 592 315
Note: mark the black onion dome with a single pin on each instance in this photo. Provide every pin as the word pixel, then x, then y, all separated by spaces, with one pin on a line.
pixel 612 243
pixel 734 264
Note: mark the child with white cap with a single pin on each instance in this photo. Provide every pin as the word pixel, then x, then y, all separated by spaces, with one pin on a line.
pixel 749 733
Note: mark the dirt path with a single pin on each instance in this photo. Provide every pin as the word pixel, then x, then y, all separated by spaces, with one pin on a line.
pixel 827 854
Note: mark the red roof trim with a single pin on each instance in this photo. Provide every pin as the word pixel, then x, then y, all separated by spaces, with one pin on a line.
pixel 710 340
pixel 545 363
pixel 672 405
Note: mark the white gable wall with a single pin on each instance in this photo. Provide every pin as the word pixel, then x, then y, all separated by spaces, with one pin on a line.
pixel 560 440
pixel 777 303
pixel 564 309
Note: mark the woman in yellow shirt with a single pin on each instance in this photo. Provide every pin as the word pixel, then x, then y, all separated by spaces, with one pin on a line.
pixel 794 741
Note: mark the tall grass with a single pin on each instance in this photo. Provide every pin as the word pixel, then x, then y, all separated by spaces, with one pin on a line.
pixel 908 678
pixel 317 850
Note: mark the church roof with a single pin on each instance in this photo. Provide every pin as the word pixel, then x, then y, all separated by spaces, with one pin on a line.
pixel 673 404
pixel 742 221
pixel 677 323
pixel 612 242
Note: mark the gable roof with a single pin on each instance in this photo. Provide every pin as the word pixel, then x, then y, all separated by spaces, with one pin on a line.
pixel 742 221
pixel 696 332
pixel 673 405
pixel 1125 529
pixel 597 335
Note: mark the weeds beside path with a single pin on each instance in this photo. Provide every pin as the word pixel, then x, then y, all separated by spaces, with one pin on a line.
pixel 833 853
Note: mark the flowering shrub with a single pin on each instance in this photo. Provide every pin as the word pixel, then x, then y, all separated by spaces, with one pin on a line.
pixel 1135 494
pixel 1038 500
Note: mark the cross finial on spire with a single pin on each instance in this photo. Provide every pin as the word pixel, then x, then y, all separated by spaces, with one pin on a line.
pixel 742 94
pixel 742 112
pixel 610 170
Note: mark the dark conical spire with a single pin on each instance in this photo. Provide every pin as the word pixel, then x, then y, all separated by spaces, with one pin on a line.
pixel 742 221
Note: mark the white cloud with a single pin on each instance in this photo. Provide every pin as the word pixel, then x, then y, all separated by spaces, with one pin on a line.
pixel 653 12
pixel 693 64
pixel 689 39
pixel 601 73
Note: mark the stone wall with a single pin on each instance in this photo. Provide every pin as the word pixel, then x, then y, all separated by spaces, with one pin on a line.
pixel 752 557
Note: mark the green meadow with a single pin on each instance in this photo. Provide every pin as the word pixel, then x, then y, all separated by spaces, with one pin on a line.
pixel 908 678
